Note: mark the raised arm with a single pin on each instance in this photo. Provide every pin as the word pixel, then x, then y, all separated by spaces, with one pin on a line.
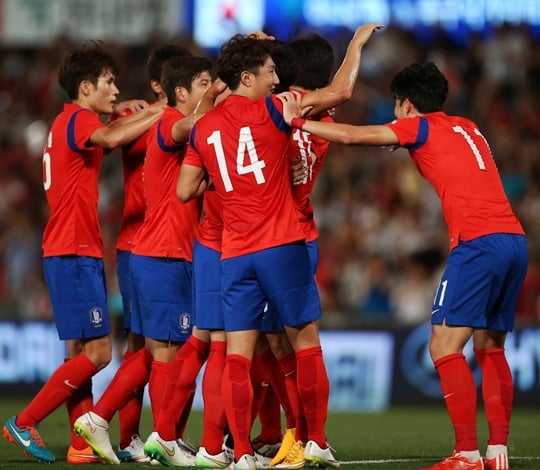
pixel 182 128
pixel 342 85
pixel 125 130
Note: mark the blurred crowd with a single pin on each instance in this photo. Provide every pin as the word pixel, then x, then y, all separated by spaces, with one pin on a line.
pixel 383 240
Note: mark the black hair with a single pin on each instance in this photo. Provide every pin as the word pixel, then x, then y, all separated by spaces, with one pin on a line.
pixel 240 54
pixel 425 86
pixel 315 60
pixel 160 55
pixel 87 62
pixel 181 71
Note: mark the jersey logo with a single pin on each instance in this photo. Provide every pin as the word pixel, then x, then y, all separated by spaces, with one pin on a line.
pixel 96 317
pixel 185 321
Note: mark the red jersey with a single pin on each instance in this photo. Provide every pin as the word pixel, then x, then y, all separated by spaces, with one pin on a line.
pixel 169 225
pixel 71 165
pixel 301 146
pixel 211 227
pixel 452 154
pixel 133 214
pixel 242 143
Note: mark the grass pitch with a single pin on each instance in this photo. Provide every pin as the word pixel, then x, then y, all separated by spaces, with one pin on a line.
pixel 400 438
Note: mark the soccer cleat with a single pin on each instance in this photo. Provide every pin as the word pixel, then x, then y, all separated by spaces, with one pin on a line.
pixel 167 453
pixel 295 457
pixel 228 446
pixel 320 457
pixel 286 444
pixel 28 439
pixel 264 452
pixel 205 460
pixel 82 456
pixel 95 431
pixel 187 446
pixel 500 462
pixel 134 452
pixel 457 462
pixel 246 462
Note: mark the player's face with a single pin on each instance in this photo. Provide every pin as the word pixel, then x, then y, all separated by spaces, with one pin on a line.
pixel 199 85
pixel 103 96
pixel 266 80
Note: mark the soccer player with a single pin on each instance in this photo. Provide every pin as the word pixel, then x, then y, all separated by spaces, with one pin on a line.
pixel 310 69
pixel 134 371
pixel 72 244
pixel 478 291
pixel 162 275
pixel 241 144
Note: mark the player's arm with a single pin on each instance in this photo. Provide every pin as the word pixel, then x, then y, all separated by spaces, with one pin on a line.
pixel 181 128
pixel 122 131
pixel 192 182
pixel 342 85
pixel 130 106
pixel 333 131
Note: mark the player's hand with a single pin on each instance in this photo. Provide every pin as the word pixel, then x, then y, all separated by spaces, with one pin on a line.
pixel 299 170
pixel 291 105
pixel 261 35
pixel 130 106
pixel 364 32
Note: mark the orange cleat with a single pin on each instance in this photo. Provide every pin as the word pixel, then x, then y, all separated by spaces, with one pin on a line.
pixel 457 462
pixel 83 456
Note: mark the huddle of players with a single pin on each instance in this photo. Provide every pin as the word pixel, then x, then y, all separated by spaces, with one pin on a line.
pixel 251 269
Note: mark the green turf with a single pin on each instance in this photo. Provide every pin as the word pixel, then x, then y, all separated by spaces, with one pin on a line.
pixel 401 438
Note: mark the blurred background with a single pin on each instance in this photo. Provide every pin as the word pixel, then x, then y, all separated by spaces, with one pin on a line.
pixel 383 239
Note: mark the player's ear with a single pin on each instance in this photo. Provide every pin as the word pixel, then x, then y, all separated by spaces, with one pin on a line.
pixel 246 78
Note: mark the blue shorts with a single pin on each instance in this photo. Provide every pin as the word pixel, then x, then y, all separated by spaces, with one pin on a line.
pixel 482 282
pixel 271 323
pixel 126 286
pixel 78 296
pixel 163 287
pixel 280 275
pixel 207 288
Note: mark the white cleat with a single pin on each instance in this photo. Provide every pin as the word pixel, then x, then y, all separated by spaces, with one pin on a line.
pixel 95 431
pixel 320 457
pixel 205 460
pixel 134 452
pixel 246 462
pixel 167 453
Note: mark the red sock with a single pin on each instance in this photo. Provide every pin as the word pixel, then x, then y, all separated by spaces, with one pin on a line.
pixel 159 376
pixel 270 417
pixel 62 384
pixel 313 390
pixel 459 392
pixel 179 388
pixel 214 419
pixel 186 413
pixel 288 366
pixel 277 380
pixel 129 416
pixel 498 393
pixel 131 376
pixel 77 404
pixel 259 376
pixel 238 400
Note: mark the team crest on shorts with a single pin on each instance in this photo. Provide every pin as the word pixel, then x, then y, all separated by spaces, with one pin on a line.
pixel 96 317
pixel 185 321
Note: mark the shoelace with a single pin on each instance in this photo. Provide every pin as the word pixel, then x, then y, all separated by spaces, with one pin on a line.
pixel 36 437
pixel 294 453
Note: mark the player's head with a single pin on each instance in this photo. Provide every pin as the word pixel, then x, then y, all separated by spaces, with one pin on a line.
pixel 248 61
pixel 156 60
pixel 86 63
pixel 314 59
pixel 286 66
pixel 425 86
pixel 186 78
